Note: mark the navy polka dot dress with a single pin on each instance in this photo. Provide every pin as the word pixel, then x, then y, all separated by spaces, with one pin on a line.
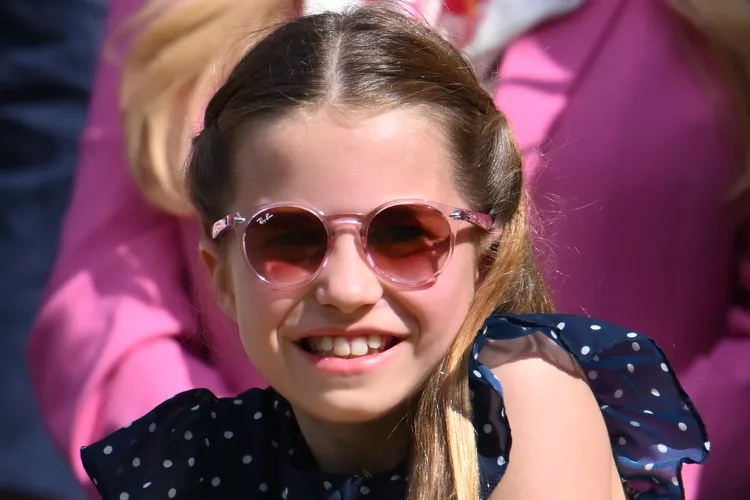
pixel 197 446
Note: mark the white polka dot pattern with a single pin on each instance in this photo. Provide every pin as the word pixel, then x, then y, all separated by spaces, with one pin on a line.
pixel 651 425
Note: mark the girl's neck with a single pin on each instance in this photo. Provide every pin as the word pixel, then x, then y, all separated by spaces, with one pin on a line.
pixel 356 448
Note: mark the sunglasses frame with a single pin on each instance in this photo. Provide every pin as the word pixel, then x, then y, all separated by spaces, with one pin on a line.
pixel 331 223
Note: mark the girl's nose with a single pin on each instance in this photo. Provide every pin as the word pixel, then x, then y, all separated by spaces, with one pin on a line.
pixel 347 282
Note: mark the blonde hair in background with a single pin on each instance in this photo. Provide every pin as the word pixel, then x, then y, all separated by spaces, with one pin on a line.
pixel 182 55
pixel 726 26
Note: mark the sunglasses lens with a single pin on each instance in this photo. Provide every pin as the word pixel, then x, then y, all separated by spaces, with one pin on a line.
pixel 410 243
pixel 285 245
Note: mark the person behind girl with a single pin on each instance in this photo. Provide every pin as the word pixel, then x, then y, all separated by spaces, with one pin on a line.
pixel 364 225
pixel 637 150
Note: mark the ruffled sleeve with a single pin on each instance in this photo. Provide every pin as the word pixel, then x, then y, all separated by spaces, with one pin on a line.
pixel 192 446
pixel 653 426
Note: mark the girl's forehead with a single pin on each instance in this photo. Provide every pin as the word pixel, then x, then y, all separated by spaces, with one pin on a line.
pixel 344 163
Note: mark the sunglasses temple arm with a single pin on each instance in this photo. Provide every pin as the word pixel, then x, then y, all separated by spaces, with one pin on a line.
pixel 220 226
pixel 480 220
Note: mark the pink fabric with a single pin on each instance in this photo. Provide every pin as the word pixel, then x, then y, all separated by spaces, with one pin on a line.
pixel 629 163
pixel 630 153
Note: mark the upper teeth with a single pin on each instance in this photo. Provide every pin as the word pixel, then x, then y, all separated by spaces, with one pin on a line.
pixel 345 346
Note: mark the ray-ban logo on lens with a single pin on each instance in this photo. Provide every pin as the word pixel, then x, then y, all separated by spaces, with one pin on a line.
pixel 264 219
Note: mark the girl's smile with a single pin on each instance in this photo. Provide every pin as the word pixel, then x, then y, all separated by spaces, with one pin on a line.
pixel 341 352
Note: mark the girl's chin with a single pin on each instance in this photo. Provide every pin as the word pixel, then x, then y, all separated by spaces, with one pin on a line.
pixel 351 407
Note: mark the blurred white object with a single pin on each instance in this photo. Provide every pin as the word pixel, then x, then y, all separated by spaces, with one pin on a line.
pixel 480 28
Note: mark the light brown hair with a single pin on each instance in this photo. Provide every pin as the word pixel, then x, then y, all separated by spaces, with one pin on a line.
pixel 376 59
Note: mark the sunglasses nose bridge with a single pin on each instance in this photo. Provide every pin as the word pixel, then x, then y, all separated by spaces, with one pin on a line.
pixel 345 224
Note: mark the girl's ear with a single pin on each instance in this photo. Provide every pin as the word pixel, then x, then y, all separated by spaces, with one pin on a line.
pixel 487 247
pixel 217 266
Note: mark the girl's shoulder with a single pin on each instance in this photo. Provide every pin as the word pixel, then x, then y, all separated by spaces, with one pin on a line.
pixel 189 445
pixel 652 424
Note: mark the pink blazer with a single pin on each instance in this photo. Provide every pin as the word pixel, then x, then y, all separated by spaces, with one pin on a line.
pixel 629 154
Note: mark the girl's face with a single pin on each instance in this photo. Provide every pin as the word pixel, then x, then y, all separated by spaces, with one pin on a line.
pixel 344 163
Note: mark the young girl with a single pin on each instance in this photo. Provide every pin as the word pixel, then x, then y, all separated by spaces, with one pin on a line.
pixel 364 227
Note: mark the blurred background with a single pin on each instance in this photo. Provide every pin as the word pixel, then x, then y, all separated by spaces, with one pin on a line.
pixel 48 55
pixel 633 117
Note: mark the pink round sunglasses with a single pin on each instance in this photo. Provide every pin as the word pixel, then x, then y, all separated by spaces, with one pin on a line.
pixel 407 243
